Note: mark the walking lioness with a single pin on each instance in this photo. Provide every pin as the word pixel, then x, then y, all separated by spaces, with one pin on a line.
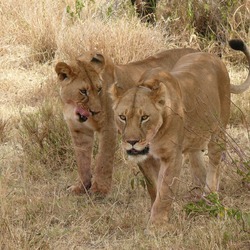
pixel 87 109
pixel 174 113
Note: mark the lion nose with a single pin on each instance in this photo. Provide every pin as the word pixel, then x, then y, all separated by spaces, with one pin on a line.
pixel 132 142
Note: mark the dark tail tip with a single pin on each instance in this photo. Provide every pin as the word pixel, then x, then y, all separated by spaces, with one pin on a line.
pixel 237 44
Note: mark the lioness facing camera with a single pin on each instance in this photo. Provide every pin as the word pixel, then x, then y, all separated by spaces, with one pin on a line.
pixel 174 113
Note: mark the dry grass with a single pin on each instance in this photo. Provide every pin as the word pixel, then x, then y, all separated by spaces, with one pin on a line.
pixel 36 158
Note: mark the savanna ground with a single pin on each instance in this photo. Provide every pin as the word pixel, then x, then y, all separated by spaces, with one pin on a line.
pixel 36 156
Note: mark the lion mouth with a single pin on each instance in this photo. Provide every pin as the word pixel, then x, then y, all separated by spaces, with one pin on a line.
pixel 138 152
pixel 83 114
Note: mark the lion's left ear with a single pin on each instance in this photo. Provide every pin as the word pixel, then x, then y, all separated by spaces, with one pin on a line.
pixel 158 90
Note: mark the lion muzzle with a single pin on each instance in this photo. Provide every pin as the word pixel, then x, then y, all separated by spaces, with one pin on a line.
pixel 135 152
pixel 83 113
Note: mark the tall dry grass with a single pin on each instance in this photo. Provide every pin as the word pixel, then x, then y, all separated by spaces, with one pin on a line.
pixel 36 158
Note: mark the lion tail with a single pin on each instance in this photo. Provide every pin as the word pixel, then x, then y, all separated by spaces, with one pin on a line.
pixel 238 44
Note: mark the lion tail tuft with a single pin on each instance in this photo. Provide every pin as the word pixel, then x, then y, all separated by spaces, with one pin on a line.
pixel 237 44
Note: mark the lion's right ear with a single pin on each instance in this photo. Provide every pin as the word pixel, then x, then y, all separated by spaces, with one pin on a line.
pixel 63 70
pixel 115 92
pixel 98 62
pixel 98 58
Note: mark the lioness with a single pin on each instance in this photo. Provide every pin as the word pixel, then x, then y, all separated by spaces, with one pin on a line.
pixel 87 108
pixel 174 113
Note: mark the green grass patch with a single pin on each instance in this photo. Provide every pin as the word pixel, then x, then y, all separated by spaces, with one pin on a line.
pixel 212 206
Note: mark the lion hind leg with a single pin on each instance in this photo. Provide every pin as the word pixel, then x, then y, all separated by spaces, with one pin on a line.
pixel 216 147
pixel 198 168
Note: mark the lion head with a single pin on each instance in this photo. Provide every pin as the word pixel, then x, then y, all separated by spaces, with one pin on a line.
pixel 141 111
pixel 81 85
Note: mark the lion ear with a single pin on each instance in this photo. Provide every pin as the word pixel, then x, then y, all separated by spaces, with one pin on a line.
pixel 63 70
pixel 98 62
pixel 115 91
pixel 98 58
pixel 158 90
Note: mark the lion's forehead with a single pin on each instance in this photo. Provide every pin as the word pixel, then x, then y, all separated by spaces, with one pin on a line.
pixel 134 112
pixel 135 98
pixel 81 83
pixel 135 103
pixel 136 108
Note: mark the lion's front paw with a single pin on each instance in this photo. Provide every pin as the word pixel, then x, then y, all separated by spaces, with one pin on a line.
pixel 78 189
pixel 159 214
pixel 159 228
pixel 99 189
pixel 157 221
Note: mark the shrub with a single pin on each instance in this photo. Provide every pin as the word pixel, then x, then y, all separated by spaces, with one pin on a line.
pixel 45 138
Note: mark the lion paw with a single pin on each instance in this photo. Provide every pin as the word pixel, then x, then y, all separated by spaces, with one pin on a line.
pixel 160 229
pixel 99 190
pixel 78 189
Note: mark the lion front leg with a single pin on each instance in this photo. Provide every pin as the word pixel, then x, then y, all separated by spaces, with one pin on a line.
pixel 83 143
pixel 150 169
pixel 166 189
pixel 102 178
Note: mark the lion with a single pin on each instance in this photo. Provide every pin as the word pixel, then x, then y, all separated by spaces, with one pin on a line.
pixel 173 113
pixel 87 109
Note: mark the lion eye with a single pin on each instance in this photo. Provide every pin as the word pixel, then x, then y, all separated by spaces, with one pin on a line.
pixel 83 92
pixel 144 118
pixel 122 118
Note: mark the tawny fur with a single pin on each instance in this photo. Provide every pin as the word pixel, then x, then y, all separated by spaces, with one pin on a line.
pixel 94 72
pixel 169 114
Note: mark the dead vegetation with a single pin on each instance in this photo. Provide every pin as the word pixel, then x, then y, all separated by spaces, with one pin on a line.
pixel 36 157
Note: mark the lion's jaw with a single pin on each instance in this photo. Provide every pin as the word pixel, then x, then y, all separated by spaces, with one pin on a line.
pixel 81 112
pixel 84 113
pixel 137 152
